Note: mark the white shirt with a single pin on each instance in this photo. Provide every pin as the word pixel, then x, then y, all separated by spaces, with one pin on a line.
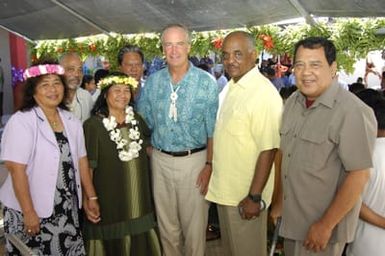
pixel 370 239
pixel 82 104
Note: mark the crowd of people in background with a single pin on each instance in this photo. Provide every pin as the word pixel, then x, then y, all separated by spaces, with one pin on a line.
pixel 129 161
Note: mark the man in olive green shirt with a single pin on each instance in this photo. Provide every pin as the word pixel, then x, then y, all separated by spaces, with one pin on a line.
pixel 327 139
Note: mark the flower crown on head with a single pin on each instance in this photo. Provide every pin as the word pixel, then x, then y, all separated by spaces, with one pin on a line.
pixel 111 80
pixel 39 70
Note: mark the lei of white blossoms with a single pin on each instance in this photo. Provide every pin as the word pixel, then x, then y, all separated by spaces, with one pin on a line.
pixel 127 151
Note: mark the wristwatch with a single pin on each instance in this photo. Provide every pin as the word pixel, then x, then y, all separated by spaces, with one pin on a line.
pixel 257 198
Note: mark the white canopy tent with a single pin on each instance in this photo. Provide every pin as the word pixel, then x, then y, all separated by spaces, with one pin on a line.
pixel 57 19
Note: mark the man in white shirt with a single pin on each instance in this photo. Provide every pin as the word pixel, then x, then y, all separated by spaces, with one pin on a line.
pixel 79 101
pixel 370 233
pixel 220 77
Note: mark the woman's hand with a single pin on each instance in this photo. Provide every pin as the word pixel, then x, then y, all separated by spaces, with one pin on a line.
pixel 31 223
pixel 91 208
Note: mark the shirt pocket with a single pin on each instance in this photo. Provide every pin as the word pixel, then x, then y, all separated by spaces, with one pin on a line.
pixel 235 122
pixel 314 149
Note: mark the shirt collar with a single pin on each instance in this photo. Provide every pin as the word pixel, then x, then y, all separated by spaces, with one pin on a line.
pixel 246 79
pixel 190 67
pixel 328 98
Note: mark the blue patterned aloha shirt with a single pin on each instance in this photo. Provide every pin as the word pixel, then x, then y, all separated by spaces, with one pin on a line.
pixel 197 106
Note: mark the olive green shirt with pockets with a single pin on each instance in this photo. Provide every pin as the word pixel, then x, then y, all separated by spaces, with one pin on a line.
pixel 320 145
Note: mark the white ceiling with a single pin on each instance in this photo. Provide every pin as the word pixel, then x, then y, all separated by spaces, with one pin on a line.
pixel 53 19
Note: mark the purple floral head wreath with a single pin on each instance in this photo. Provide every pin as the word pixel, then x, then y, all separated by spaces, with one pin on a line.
pixel 39 70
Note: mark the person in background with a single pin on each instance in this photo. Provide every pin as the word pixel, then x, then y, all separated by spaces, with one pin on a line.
pixel 79 101
pixel 276 81
pixel 179 104
pixel 370 233
pixel 321 191
pixel 44 152
pixel 116 142
pixel 131 63
pixel 99 74
pixel 246 138
pixel 220 77
pixel 89 85
pixel 356 87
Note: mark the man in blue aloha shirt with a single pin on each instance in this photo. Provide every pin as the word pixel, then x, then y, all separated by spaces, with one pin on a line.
pixel 179 104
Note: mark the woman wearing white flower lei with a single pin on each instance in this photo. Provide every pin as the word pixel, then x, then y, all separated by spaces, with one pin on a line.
pixel 120 174
pixel 117 99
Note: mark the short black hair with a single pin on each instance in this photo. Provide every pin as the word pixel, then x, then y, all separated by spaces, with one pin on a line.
pixel 316 43
pixel 129 48
pixel 99 74
pixel 285 92
pixel 29 101
pixel 376 101
pixel 86 80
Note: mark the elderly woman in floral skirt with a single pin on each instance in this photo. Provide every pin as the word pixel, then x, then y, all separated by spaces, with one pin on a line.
pixel 115 142
pixel 44 152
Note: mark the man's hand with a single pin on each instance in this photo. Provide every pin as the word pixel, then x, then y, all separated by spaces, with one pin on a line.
pixel 203 179
pixel 249 209
pixel 317 237
pixel 275 211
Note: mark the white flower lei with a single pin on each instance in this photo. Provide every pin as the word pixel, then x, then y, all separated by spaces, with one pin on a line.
pixel 121 144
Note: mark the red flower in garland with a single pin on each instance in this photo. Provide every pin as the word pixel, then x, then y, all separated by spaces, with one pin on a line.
pixel 217 43
pixel 92 47
pixel 34 58
pixel 267 41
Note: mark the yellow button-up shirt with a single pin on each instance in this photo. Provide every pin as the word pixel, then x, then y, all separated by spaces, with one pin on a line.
pixel 248 123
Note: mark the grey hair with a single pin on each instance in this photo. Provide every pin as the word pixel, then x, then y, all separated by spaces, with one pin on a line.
pixel 177 25
pixel 69 54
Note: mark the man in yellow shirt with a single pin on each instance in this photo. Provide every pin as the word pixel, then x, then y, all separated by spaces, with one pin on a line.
pixel 246 138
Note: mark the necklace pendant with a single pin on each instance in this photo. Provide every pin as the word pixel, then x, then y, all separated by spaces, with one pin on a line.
pixel 173 96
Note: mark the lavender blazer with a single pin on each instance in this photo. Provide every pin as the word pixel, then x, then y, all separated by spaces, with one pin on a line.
pixel 28 139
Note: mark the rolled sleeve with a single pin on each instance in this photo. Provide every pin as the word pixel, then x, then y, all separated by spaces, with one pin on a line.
pixel 265 123
pixel 357 138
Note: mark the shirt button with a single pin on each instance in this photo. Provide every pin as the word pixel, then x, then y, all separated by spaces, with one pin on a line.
pixel 288 155
pixel 285 177
pixel 295 135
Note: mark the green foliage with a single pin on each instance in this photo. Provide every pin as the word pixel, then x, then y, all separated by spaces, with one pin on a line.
pixel 353 38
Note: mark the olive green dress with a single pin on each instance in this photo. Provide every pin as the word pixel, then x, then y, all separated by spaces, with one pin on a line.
pixel 127 225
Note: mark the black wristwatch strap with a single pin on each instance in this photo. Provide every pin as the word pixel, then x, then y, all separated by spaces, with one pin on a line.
pixel 255 198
